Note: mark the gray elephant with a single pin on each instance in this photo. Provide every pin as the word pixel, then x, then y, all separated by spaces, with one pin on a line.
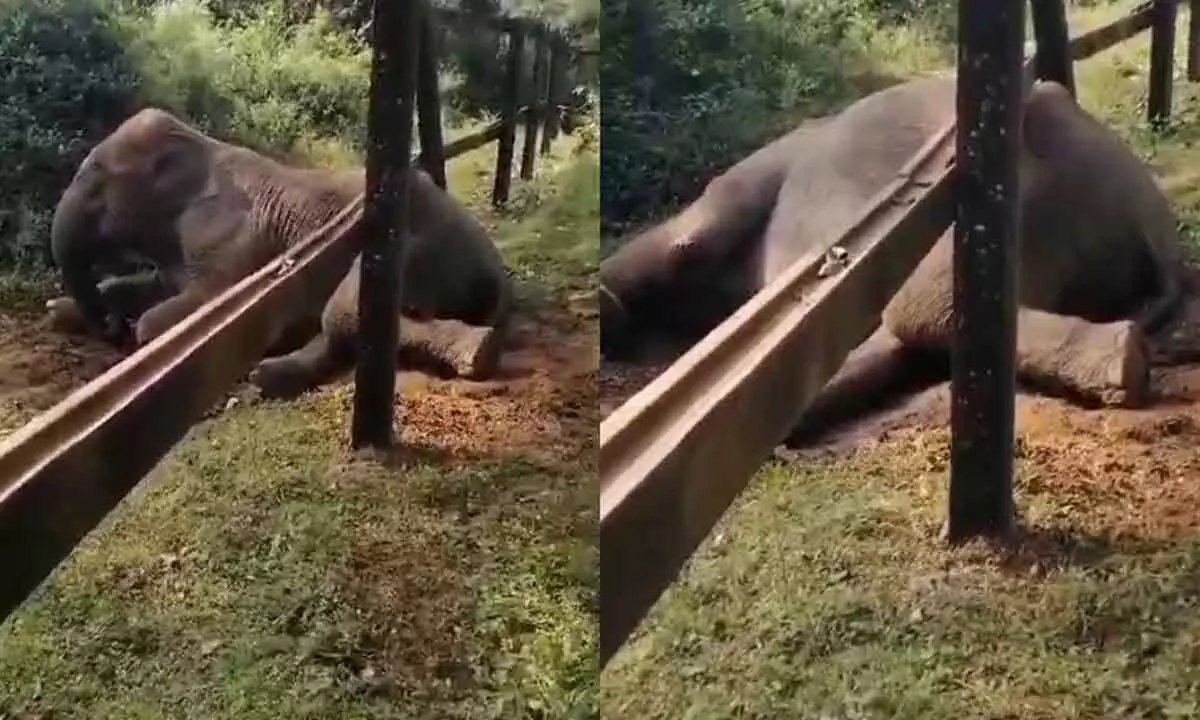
pixel 1100 262
pixel 206 214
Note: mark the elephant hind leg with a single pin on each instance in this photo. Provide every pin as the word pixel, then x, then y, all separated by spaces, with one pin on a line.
pixel 465 350
pixel 468 351
pixel 880 368
pixel 1093 363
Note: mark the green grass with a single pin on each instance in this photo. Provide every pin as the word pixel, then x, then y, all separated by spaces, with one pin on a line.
pixel 826 592
pixel 261 571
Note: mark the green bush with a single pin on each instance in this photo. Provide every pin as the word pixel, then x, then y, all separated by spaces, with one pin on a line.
pixel 262 82
pixel 65 82
pixel 690 86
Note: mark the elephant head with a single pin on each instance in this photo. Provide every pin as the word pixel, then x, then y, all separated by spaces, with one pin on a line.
pixel 127 201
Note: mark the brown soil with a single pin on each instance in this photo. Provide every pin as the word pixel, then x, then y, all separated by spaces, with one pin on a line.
pixel 39 367
pixel 542 403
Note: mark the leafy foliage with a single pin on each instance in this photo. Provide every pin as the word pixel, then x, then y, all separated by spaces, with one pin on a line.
pixel 65 82
pixel 691 86
pixel 268 83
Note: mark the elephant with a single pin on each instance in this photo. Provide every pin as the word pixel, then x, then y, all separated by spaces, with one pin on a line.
pixel 1100 262
pixel 698 254
pixel 203 214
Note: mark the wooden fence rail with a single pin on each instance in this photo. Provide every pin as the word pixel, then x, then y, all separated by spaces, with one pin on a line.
pixel 676 454
pixel 64 471
pixel 550 57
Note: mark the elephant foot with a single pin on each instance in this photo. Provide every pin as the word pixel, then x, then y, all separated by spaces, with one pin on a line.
pixel 281 378
pixel 467 351
pixel 64 316
pixel 1125 357
pixel 476 355
pixel 1107 363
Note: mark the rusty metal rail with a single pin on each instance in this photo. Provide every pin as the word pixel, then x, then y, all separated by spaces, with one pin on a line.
pixel 675 455
pixel 69 467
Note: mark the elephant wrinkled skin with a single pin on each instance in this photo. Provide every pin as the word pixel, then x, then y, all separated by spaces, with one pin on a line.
pixel 206 214
pixel 1100 261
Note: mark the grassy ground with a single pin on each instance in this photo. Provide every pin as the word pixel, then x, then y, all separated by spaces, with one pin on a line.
pixel 825 592
pixel 263 572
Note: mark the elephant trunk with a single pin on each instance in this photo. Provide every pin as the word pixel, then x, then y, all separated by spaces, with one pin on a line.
pixel 636 280
pixel 74 245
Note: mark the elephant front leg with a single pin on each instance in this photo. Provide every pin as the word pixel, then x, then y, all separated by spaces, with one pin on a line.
pixel 126 297
pixel 879 369
pixel 1105 363
pixel 167 314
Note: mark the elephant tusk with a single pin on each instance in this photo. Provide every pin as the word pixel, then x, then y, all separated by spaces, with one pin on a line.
pixel 616 301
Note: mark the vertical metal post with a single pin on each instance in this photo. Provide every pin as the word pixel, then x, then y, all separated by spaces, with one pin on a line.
pixel 508 133
pixel 385 219
pixel 983 360
pixel 537 106
pixel 1162 62
pixel 429 102
pixel 1053 43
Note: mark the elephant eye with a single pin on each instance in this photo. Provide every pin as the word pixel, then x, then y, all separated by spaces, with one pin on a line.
pixel 162 163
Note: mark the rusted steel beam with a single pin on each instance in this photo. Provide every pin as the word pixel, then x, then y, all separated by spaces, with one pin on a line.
pixel 1053 57
pixel 71 465
pixel 983 359
pixel 385 219
pixel 508 131
pixel 429 102
pixel 1162 62
pixel 674 456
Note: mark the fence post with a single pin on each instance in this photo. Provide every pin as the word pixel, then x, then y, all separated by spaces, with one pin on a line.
pixel 385 219
pixel 1053 43
pixel 1193 52
pixel 553 72
pixel 983 359
pixel 553 85
pixel 536 106
pixel 508 133
pixel 1162 62
pixel 429 102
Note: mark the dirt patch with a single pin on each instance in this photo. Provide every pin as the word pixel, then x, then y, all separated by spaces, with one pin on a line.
pixel 39 367
pixel 545 390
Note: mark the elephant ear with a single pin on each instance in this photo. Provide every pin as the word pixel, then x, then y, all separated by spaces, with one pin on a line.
pixel 215 217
